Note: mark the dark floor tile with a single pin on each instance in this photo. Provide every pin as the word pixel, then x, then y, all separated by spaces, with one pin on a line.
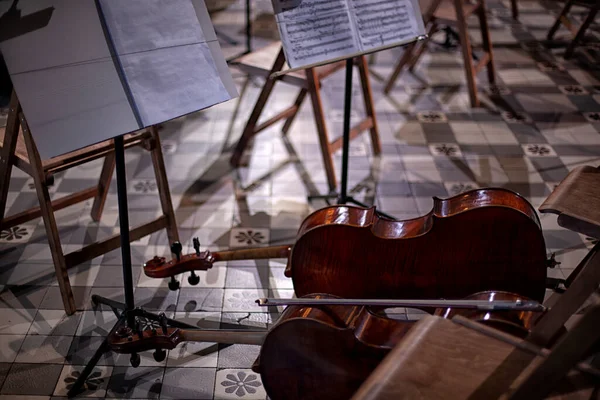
pixel 508 150
pixel 4 367
pixel 394 189
pixel 32 379
pixel 527 190
pixel 135 383
pixel 551 169
pixel 428 189
pixel 577 150
pixel 188 383
pixel 24 297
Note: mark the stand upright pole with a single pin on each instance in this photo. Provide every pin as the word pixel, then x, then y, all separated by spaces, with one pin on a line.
pixel 126 313
pixel 124 226
pixel 343 199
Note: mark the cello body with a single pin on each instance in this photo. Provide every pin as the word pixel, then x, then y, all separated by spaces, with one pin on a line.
pixel 327 352
pixel 484 239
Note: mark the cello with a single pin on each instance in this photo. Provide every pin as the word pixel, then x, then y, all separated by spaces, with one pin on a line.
pixel 325 352
pixel 484 239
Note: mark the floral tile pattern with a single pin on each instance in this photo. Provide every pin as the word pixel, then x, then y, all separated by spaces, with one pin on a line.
pixel 238 384
pixel 540 120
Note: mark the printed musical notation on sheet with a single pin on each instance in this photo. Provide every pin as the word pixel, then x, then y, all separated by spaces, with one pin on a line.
pixel 383 22
pixel 316 31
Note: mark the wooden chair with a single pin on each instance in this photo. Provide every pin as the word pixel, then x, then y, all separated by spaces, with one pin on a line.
pixel 17 148
pixel 460 359
pixel 451 13
pixel 271 59
pixel 578 32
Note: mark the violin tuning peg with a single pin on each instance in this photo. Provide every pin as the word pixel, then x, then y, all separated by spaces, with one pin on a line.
pixel 162 320
pixel 173 284
pixel 135 360
pixel 193 279
pixel 176 249
pixel 196 243
pixel 159 355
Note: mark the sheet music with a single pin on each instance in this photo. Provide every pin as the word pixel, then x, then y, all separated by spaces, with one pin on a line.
pixel 383 22
pixel 166 62
pixel 316 31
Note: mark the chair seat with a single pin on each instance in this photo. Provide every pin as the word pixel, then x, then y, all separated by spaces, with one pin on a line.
pixel 259 63
pixel 577 201
pixel 68 160
pixel 446 12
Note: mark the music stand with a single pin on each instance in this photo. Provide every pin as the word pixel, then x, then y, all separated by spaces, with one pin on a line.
pixel 66 68
pixel 127 314
pixel 343 197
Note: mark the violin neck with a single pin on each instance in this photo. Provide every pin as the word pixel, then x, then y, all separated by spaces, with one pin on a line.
pixel 253 254
pixel 224 336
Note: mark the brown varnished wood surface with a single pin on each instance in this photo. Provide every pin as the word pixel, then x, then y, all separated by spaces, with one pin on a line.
pixel 577 201
pixel 159 267
pixel 327 352
pixel 486 239
pixel 516 323
pixel 439 359
pixel 324 352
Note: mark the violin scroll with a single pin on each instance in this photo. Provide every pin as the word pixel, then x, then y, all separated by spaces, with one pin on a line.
pixel 159 267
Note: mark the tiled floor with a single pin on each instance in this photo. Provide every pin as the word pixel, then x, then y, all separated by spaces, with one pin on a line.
pixel 541 121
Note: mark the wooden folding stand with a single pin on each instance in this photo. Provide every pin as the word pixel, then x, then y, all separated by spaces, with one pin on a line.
pixel 271 59
pixel 578 32
pixel 452 13
pixel 18 149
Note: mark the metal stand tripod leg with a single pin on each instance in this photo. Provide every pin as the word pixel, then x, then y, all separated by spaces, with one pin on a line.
pixel 125 312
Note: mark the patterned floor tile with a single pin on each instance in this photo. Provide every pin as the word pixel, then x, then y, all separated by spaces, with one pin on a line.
pixel 238 384
pixel 95 385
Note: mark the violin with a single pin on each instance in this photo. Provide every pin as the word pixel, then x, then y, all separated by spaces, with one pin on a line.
pixel 484 239
pixel 326 351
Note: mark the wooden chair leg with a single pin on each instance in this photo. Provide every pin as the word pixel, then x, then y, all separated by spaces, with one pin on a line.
pixel 558 22
pixel 103 185
pixel 581 32
pixel 288 122
pixel 466 52
pixel 406 56
pixel 11 135
pixel 314 87
pixel 249 130
pixel 515 9
pixel 487 42
pixel 162 184
pixel 575 346
pixel 417 55
pixel 368 98
pixel 58 258
pixel 582 287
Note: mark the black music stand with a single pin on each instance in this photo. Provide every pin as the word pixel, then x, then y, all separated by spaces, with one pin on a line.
pixel 343 197
pixel 129 317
